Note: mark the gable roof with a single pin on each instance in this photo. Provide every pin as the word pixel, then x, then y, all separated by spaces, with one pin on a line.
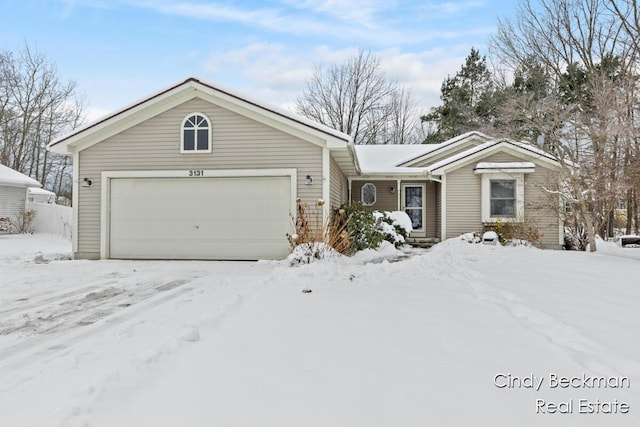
pixel 448 145
pixel 391 160
pixel 182 92
pixel 13 178
pixel 526 150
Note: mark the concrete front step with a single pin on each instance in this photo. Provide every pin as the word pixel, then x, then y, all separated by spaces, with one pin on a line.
pixel 422 242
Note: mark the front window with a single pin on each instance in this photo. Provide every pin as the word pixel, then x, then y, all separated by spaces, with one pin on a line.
pixel 196 134
pixel 368 195
pixel 503 198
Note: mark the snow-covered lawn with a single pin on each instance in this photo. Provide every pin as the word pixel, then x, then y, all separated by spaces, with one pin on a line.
pixel 423 341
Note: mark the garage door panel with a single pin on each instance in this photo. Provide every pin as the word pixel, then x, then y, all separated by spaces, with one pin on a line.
pixel 204 218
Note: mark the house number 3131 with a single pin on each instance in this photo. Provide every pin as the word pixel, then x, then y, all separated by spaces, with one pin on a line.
pixel 196 172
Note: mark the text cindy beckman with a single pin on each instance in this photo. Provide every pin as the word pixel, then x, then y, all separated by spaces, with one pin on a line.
pixel 569 406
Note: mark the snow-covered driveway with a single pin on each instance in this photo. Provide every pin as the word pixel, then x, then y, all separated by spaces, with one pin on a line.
pixel 426 341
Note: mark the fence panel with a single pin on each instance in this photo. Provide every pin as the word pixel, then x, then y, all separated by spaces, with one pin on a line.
pixel 52 219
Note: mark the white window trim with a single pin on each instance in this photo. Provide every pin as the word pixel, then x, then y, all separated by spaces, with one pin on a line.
pixel 375 194
pixel 195 150
pixel 486 196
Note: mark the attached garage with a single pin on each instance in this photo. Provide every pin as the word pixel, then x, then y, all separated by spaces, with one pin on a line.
pixel 199 172
pixel 203 217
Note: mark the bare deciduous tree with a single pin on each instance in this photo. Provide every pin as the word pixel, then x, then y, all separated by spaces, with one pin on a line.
pixel 35 107
pixel 357 98
pixel 590 104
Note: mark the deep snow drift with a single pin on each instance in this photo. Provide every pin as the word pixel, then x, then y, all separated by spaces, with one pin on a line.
pixel 428 340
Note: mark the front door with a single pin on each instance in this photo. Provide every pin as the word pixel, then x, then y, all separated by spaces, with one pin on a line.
pixel 413 196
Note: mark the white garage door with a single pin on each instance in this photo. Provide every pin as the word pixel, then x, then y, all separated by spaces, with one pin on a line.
pixel 200 218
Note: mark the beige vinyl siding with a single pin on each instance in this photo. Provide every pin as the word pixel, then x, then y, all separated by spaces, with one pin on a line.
pixel 12 201
pixel 538 206
pixel 431 206
pixel 339 185
pixel 438 191
pixel 385 199
pixel 237 143
pixel 463 202
pixel 538 210
pixel 444 153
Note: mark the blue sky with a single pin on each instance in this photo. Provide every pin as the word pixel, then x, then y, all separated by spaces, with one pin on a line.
pixel 119 51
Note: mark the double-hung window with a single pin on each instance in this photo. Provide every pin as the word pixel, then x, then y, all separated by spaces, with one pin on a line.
pixel 503 198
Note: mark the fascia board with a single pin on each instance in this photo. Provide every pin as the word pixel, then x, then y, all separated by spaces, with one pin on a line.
pixel 500 146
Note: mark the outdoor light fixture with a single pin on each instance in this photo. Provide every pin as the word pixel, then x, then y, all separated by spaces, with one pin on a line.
pixel 392 189
pixel 87 182
pixel 309 180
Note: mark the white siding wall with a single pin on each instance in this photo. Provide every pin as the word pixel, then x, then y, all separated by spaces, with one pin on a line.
pixel 238 143
pixel 12 201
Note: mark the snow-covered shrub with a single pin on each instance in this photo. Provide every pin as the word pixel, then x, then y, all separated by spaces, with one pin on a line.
pixel 576 238
pixel 396 226
pixel 367 229
pixel 516 233
pixel 306 253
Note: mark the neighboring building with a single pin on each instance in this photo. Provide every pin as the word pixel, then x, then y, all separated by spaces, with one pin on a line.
pixel 40 195
pixel 200 172
pixel 13 195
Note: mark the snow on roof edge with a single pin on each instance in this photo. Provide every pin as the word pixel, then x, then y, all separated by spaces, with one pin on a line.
pixel 12 177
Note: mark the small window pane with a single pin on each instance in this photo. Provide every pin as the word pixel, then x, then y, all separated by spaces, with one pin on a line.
pixel 416 218
pixel 191 122
pixel 368 194
pixel 413 197
pixel 502 189
pixel 503 208
pixel 202 122
pixel 203 139
pixel 189 140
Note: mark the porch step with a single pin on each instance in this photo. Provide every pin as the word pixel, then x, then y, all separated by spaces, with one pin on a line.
pixel 422 242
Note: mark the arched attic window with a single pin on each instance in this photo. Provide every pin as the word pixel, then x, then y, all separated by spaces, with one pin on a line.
pixel 195 134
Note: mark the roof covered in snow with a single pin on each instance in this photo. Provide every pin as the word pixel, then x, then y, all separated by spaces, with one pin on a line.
pixel 40 191
pixel 386 158
pixel 506 165
pixel 12 178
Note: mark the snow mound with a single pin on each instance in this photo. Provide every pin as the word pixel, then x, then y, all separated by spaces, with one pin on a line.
pixel 39 249
pixel 307 253
pixel 190 334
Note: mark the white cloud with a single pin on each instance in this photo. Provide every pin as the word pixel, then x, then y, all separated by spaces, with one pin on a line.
pixel 451 7
pixel 368 21
pixel 94 113
pixel 277 74
pixel 360 12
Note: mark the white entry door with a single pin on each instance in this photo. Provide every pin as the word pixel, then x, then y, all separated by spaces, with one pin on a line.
pixel 413 196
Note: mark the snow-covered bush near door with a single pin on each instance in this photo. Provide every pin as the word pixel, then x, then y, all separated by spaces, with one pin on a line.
pixel 396 226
